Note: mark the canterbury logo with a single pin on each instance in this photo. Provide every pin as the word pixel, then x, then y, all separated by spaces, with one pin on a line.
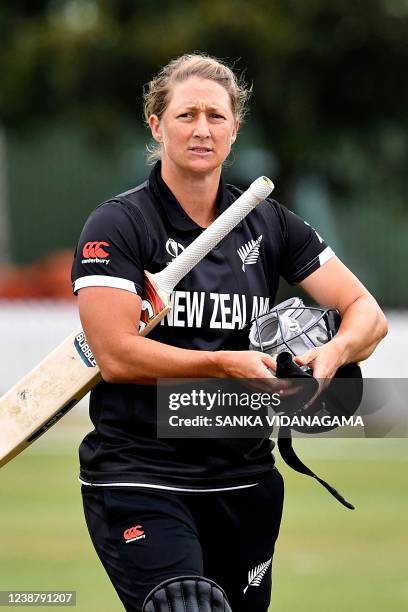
pixel 94 250
pixel 255 575
pixel 249 252
pixel 134 533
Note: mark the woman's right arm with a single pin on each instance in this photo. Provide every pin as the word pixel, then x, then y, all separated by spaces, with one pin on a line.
pixel 110 319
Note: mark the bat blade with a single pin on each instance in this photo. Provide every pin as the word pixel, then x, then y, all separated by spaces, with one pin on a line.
pixel 45 394
pixel 66 375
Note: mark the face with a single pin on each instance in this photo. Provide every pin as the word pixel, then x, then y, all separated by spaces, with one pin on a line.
pixel 198 127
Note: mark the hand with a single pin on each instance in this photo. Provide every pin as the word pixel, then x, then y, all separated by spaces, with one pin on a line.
pixel 245 364
pixel 254 365
pixel 324 361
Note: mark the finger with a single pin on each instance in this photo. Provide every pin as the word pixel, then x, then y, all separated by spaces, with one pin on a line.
pixel 319 372
pixel 323 383
pixel 322 369
pixel 273 385
pixel 261 371
pixel 323 379
pixel 268 361
pixel 260 385
pixel 267 372
pixel 306 358
pixel 312 399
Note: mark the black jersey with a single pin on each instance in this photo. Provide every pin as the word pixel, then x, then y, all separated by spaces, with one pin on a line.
pixel 144 229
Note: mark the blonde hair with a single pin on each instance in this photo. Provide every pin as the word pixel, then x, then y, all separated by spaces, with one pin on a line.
pixel 157 92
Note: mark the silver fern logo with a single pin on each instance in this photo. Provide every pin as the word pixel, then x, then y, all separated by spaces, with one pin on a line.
pixel 255 575
pixel 249 252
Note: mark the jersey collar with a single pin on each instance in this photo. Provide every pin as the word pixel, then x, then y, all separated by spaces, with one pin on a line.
pixel 173 209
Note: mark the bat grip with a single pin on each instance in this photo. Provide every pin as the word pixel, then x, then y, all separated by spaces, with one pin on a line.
pixel 168 278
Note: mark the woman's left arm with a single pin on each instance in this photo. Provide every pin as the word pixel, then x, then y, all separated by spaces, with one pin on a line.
pixel 363 323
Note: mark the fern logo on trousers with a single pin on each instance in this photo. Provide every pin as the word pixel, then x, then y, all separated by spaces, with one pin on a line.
pixel 255 575
pixel 249 252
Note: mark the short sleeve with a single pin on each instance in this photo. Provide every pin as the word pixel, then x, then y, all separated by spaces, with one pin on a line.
pixel 110 250
pixel 305 249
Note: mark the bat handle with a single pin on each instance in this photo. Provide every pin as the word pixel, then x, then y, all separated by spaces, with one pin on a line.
pixel 168 278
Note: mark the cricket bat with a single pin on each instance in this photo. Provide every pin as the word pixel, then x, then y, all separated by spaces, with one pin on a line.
pixel 60 380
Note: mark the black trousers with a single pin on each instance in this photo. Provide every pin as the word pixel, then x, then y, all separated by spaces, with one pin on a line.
pixel 143 537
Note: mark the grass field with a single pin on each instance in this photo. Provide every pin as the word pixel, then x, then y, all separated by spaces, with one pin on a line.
pixel 327 558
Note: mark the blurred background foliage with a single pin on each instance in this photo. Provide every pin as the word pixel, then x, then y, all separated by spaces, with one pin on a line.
pixel 328 118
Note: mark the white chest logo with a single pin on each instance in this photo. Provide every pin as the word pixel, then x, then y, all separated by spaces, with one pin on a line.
pixel 174 248
pixel 249 252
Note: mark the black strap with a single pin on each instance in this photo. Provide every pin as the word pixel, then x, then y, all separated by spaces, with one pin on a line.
pixel 287 368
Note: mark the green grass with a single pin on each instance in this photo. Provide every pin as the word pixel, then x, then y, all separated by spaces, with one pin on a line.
pixel 333 559
pixel 327 557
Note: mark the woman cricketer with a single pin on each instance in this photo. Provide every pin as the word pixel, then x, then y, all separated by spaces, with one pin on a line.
pixel 192 524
